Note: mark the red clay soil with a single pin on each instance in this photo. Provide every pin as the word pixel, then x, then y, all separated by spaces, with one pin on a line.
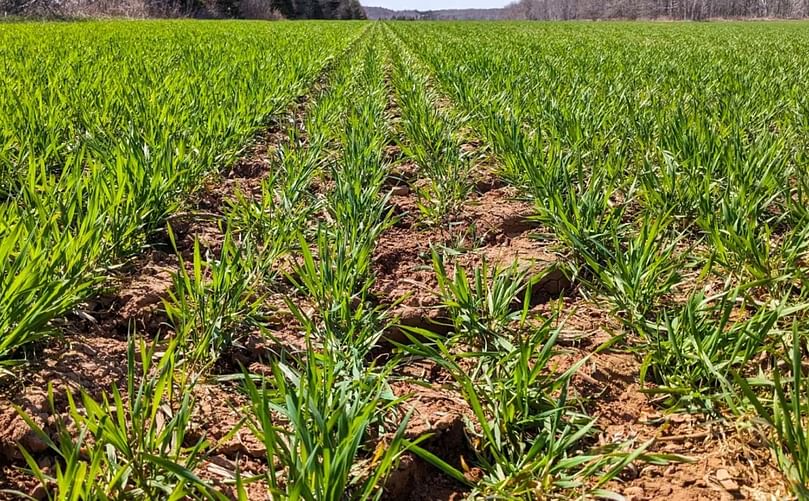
pixel 723 461
pixel 727 463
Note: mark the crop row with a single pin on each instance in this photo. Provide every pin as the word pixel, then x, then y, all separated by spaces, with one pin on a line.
pixel 669 163
pixel 106 129
pixel 315 411
pixel 665 163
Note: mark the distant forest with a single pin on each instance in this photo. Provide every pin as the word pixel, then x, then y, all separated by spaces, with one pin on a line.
pixel 656 9
pixel 214 9
pixel 351 9
pixel 612 9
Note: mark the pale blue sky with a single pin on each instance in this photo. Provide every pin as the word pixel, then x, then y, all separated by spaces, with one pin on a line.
pixel 434 4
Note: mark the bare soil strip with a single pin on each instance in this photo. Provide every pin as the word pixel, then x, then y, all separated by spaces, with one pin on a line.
pixel 726 460
pixel 491 225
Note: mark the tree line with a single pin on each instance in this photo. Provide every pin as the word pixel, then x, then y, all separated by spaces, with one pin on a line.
pixel 656 9
pixel 214 9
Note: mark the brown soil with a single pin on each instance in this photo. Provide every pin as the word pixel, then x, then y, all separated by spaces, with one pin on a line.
pixel 721 460
pixel 494 225
pixel 725 462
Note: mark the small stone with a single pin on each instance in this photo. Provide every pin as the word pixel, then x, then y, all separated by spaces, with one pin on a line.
pixel 726 480
pixel 723 474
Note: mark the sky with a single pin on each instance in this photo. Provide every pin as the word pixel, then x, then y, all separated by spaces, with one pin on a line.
pixel 434 4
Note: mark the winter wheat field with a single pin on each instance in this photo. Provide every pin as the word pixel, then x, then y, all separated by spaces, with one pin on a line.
pixel 404 261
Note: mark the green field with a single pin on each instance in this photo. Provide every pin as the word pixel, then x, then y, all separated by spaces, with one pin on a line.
pixel 415 260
